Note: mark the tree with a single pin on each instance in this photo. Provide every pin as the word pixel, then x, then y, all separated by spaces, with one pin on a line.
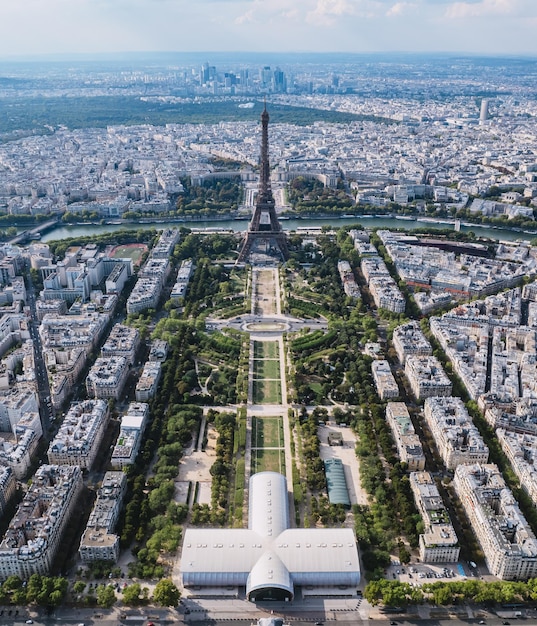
pixel 106 596
pixel 19 596
pixel 33 588
pixel 55 598
pixel 131 594
pixel 11 583
pixel 79 586
pixel 404 555
pixel 166 593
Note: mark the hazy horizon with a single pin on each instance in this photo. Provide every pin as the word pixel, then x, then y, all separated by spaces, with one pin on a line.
pixel 39 28
pixel 238 55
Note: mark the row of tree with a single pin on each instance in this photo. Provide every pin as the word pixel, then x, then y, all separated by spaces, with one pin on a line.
pixel 221 470
pixel 400 594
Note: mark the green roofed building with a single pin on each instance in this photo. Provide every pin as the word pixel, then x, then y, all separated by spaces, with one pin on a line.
pixel 336 482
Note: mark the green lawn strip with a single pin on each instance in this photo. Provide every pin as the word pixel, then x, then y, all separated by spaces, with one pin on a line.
pixel 271 349
pixel 267 392
pixel 267 432
pixel 266 369
pixel 266 350
pixel 268 461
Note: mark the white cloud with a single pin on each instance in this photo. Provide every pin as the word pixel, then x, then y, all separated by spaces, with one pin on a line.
pixel 271 11
pixel 245 18
pixel 329 12
pixel 50 26
pixel 400 8
pixel 484 8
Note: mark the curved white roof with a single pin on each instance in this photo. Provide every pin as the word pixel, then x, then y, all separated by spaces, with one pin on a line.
pixel 269 571
pixel 268 511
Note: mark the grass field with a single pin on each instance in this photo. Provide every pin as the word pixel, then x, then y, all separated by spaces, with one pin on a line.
pixel 132 251
pixel 267 432
pixel 266 350
pixel 267 392
pixel 268 461
pixel 266 369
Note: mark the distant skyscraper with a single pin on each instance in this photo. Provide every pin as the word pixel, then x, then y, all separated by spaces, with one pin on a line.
pixel 279 83
pixel 207 73
pixel 484 113
pixel 266 76
pixel 204 73
pixel 244 78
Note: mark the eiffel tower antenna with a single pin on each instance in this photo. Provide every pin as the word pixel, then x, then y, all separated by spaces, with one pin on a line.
pixel 264 225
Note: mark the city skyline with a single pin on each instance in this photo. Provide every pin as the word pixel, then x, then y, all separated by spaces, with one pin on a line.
pixel 364 26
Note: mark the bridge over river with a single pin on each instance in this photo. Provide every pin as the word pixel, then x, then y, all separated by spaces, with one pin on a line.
pixel 34 233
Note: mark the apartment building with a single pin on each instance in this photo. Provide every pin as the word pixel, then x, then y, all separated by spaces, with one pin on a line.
pixel 407 441
pixel 426 377
pixel 147 385
pixel 107 377
pixel 183 278
pixel 507 541
pixel 117 278
pixel 521 450
pixel 384 380
pixel 50 307
pixel 465 342
pixel 156 269
pixel 158 350
pixel 438 542
pixel 99 542
pixel 8 486
pixel 79 438
pixel 13 329
pixel 35 533
pixel 409 340
pixel 71 331
pixel 18 452
pixel 64 368
pixel 382 287
pixel 16 401
pixel 145 295
pixel 130 435
pixel 168 239
pixel 457 439
pixel 348 281
pixel 122 341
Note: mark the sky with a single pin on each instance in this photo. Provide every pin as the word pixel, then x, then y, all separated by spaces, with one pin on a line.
pixel 39 27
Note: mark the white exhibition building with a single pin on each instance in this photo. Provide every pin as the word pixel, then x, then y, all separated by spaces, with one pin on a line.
pixel 269 559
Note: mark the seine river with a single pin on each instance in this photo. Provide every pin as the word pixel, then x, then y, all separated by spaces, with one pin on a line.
pixel 78 230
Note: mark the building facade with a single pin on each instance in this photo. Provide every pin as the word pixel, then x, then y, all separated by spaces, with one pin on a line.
pixel 507 541
pixel 35 533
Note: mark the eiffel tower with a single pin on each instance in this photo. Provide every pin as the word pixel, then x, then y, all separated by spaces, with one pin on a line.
pixel 264 226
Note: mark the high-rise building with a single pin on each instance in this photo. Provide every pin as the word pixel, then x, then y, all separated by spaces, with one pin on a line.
pixel 484 112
